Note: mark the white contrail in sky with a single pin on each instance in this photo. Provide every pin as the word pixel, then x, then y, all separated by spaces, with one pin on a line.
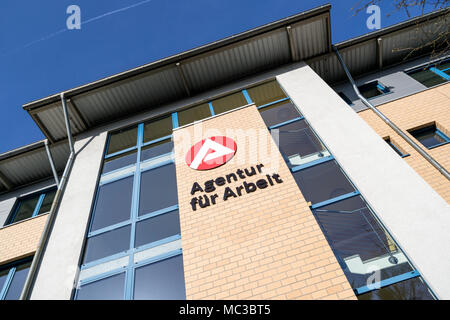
pixel 54 34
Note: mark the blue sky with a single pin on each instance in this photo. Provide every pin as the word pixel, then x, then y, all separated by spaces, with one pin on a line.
pixel 40 57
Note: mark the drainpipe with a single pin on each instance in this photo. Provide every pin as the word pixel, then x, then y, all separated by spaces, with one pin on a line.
pixel 52 164
pixel 413 144
pixel 53 211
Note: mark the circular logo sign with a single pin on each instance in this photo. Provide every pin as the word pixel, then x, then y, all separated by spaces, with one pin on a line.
pixel 211 153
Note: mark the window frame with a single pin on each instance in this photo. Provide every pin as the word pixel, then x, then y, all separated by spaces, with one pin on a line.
pixel 436 131
pixel 135 171
pixel 12 266
pixel 356 193
pixel 388 140
pixel 42 194
pixel 384 90
pixel 433 68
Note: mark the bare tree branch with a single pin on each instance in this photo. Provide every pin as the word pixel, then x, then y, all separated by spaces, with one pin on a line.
pixel 435 38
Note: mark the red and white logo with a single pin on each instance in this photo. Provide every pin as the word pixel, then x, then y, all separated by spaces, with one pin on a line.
pixel 211 153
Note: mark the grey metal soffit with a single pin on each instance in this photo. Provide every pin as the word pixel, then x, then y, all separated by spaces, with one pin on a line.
pixel 383 48
pixel 30 164
pixel 295 38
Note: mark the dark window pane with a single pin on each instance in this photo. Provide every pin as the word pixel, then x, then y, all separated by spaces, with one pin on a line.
pixel 162 280
pixel 158 189
pixel 47 203
pixel 266 93
pixel 322 182
pixel 121 140
pixel 297 142
pixel 411 289
pixel 230 102
pixel 279 113
pixel 119 161
pixel 3 276
pixel 157 129
pixel 194 114
pixel 428 136
pixel 360 242
pixel 372 89
pixel 107 244
pixel 345 98
pixel 25 208
pixel 113 203
pixel 157 228
pixel 156 149
pixel 427 77
pixel 111 288
pixel 16 286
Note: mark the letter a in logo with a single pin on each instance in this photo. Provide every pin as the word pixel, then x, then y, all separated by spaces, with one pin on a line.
pixel 211 153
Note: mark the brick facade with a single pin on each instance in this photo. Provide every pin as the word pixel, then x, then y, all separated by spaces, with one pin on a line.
pixel 262 245
pixel 21 239
pixel 427 107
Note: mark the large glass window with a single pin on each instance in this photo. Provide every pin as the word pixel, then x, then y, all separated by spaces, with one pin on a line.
pixel 266 93
pixel 361 243
pixel 299 144
pixel 156 129
pixel 160 280
pixel 411 289
pixel 135 224
pixel 279 113
pixel 158 189
pixel 193 114
pixel 31 206
pixel 373 263
pixel 229 102
pixel 107 244
pixel 323 182
pixel 122 140
pixel 113 203
pixel 111 288
pixel 12 279
pixel 157 227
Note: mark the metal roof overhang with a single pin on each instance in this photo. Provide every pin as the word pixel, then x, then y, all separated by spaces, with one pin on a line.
pixel 384 48
pixel 30 164
pixel 299 37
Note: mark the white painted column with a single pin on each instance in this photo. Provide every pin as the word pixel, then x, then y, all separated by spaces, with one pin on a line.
pixel 57 273
pixel 417 217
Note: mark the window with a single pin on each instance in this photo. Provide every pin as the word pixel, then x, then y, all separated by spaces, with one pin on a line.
pixel 345 98
pixel 229 102
pixel 12 279
pixel 110 288
pixel 193 114
pixel 360 242
pixel 411 289
pixel 430 136
pixel 279 113
pixel 122 140
pixel 432 75
pixel 323 182
pixel 135 223
pixel 266 93
pixel 32 206
pixel 298 143
pixel 395 147
pixel 373 89
pixel 156 129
